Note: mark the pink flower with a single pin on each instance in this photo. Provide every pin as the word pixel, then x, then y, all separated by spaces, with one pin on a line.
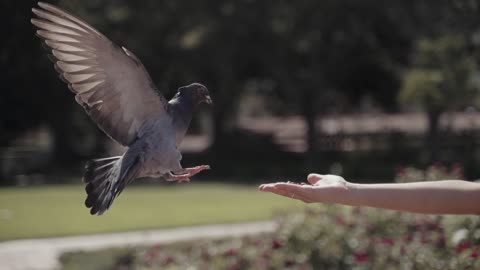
pixel 399 171
pixel 457 170
pixel 339 220
pixel 205 254
pixel 168 260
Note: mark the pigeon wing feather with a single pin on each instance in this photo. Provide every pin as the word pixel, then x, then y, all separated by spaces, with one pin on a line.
pixel 110 82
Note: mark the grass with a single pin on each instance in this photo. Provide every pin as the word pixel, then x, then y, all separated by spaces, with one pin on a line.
pixel 47 211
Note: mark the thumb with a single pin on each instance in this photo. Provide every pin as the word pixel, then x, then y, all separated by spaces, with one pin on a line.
pixel 313 178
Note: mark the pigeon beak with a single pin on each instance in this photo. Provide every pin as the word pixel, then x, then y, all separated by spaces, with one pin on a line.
pixel 208 100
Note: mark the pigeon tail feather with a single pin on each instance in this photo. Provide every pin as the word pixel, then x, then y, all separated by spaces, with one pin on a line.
pixel 101 176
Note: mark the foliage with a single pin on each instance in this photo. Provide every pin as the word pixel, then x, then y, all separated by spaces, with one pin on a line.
pixel 443 75
pixel 441 79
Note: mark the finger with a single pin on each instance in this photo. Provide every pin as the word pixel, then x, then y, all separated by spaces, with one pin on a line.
pixel 313 178
pixel 289 194
pixel 281 186
pixel 300 194
pixel 270 186
pixel 289 186
pixel 267 187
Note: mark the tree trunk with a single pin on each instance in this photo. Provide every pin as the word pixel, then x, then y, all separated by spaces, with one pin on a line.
pixel 218 140
pixel 63 150
pixel 309 113
pixel 432 142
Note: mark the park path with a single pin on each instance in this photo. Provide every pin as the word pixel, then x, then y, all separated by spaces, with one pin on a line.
pixel 43 254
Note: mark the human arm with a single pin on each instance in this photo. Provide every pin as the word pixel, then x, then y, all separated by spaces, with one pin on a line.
pixel 436 197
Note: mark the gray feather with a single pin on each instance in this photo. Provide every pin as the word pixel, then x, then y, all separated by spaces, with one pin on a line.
pixel 88 61
pixel 116 91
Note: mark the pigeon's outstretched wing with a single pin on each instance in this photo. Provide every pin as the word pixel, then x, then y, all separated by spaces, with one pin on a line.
pixel 109 82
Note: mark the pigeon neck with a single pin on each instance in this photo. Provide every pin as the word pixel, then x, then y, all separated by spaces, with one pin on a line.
pixel 186 104
pixel 181 109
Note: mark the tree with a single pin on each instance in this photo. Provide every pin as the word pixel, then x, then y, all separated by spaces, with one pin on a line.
pixel 326 51
pixel 440 80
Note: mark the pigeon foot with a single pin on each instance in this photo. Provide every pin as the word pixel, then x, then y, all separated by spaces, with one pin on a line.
pixel 186 174
pixel 194 170
pixel 179 178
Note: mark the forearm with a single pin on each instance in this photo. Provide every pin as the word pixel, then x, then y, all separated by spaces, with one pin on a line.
pixel 438 197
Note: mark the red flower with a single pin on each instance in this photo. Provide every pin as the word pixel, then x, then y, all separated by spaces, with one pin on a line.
pixel 289 263
pixel 360 256
pixel 387 241
pixel 462 246
pixel 232 267
pixel 276 244
pixel 257 242
pixel 408 238
pixel 425 239
pixel 441 242
pixel 475 253
pixel 230 252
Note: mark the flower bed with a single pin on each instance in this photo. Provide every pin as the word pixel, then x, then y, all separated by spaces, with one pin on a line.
pixel 326 237
pixel 334 238
pixel 329 238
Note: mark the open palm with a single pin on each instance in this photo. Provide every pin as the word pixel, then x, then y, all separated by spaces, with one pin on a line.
pixel 321 188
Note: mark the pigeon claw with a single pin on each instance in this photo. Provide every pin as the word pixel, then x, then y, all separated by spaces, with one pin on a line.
pixel 194 170
pixel 185 175
pixel 179 178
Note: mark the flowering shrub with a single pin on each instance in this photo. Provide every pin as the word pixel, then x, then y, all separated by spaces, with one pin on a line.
pixel 333 237
pixel 320 238
pixel 432 173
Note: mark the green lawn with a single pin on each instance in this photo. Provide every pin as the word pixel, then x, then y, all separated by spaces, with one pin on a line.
pixel 30 212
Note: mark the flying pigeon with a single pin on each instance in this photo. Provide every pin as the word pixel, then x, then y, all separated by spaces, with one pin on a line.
pixel 116 91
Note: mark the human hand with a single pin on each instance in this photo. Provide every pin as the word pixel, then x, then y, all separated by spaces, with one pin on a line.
pixel 322 188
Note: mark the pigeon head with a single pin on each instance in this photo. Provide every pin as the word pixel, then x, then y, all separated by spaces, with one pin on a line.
pixel 196 92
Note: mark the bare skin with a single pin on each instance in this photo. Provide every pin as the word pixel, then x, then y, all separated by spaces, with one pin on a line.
pixel 437 197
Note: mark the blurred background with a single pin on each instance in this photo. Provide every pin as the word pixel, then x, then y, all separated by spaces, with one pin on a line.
pixel 347 87
pixel 374 91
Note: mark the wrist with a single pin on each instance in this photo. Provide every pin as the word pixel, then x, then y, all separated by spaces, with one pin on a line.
pixel 354 192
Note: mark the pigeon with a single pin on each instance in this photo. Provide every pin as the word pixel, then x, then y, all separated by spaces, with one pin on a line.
pixel 116 91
